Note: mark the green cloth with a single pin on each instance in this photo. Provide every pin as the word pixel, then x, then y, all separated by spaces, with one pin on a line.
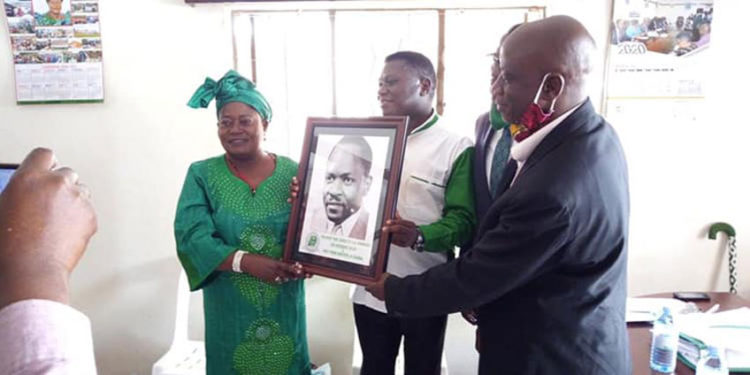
pixel 252 327
pixel 459 214
pixel 231 88
pixel 46 20
pixel 496 119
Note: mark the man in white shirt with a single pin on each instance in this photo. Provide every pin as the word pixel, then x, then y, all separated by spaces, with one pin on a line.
pixel 47 219
pixel 436 214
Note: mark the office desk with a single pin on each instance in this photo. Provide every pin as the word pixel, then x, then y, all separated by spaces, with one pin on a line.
pixel 640 334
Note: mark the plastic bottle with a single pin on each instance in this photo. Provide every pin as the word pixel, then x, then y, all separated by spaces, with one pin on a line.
pixel 665 338
pixel 712 362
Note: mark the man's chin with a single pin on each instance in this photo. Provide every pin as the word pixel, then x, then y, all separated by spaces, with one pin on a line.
pixel 334 216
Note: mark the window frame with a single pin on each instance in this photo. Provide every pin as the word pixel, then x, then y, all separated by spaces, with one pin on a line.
pixel 440 10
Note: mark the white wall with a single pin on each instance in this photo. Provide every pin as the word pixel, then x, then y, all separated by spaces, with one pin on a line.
pixel 133 151
pixel 687 173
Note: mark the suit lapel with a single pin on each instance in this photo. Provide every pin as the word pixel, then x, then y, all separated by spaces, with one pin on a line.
pixel 481 187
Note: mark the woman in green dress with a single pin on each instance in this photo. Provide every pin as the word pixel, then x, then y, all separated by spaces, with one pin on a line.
pixel 230 229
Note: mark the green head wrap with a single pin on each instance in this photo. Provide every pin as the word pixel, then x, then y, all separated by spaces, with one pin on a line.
pixel 231 88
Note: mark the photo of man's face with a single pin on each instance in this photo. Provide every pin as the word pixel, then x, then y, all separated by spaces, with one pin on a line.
pixel 347 178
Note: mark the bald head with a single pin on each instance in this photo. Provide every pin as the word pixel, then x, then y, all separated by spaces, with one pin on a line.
pixel 555 44
pixel 559 46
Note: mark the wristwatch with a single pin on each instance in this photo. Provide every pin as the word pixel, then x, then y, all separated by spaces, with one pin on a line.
pixel 418 245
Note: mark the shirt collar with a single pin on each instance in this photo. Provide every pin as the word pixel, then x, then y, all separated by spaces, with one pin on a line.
pixel 522 150
pixel 348 224
pixel 432 120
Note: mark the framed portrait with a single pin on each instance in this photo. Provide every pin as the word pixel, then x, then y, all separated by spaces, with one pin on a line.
pixel 348 178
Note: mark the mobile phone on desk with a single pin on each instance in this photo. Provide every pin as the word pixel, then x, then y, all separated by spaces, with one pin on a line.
pixel 691 296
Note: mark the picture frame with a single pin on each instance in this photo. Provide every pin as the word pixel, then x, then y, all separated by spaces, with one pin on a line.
pixel 349 175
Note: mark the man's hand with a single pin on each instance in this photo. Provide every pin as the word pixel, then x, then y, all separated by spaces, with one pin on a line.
pixel 404 232
pixel 470 316
pixel 46 221
pixel 477 345
pixel 377 289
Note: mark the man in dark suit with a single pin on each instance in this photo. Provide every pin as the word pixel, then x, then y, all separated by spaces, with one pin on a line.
pixel 492 141
pixel 547 271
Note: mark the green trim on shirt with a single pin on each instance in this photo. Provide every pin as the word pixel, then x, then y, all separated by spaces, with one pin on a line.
pixel 459 214
pixel 427 124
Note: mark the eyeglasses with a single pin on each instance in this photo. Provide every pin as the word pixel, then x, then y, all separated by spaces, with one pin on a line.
pixel 228 123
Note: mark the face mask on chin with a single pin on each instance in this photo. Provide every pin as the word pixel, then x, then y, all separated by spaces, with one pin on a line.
pixel 534 117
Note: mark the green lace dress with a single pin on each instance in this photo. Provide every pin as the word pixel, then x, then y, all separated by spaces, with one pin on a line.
pixel 252 327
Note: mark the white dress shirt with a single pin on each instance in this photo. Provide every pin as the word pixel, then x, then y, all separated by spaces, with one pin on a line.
pixel 521 151
pixel 346 226
pixel 430 154
pixel 45 337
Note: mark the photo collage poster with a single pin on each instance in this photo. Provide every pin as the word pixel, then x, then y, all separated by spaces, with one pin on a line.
pixel 57 50
pixel 659 50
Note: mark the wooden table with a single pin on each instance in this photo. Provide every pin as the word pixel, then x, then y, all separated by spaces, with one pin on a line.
pixel 640 334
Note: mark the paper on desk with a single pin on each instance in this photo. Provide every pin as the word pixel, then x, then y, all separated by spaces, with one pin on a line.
pixel 727 329
pixel 646 309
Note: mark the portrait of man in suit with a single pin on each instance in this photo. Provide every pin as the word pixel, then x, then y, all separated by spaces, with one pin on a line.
pixel 347 182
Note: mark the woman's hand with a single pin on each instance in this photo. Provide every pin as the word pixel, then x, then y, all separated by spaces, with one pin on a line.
pixel 293 190
pixel 271 270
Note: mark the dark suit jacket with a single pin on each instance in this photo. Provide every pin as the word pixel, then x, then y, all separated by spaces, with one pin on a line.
pixel 359 230
pixel 548 269
pixel 483 134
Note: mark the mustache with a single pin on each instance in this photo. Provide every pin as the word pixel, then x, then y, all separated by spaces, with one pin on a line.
pixel 332 199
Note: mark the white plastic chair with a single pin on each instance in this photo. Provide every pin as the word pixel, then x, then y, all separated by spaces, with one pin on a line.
pixel 184 357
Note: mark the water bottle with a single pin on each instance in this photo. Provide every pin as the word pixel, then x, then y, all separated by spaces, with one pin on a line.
pixel 665 338
pixel 712 362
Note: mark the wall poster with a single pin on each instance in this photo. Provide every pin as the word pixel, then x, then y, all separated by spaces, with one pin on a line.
pixel 57 50
pixel 659 49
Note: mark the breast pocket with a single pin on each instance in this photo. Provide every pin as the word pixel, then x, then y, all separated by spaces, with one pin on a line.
pixel 424 199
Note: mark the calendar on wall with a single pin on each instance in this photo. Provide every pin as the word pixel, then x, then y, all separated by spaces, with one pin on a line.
pixel 659 49
pixel 57 50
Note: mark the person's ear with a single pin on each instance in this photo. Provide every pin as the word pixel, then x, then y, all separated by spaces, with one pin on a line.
pixel 265 125
pixel 368 183
pixel 425 87
pixel 552 90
